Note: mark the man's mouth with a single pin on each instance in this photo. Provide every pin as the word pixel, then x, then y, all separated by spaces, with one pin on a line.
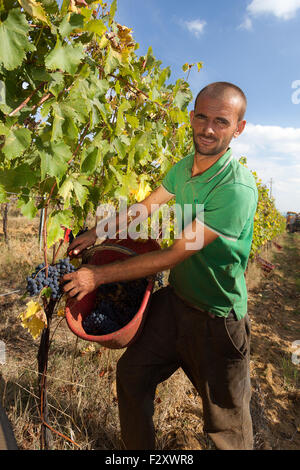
pixel 206 141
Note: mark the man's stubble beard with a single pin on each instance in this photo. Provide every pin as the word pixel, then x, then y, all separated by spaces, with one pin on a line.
pixel 220 147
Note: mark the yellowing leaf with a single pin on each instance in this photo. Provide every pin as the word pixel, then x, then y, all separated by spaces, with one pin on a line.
pixel 34 319
pixel 61 312
pixel 35 9
pixel 142 192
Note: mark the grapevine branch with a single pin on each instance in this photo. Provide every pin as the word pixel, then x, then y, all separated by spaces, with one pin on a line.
pixel 24 103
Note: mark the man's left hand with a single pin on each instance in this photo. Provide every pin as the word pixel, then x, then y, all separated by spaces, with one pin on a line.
pixel 81 282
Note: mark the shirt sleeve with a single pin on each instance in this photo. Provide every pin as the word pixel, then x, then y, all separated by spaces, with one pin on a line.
pixel 169 180
pixel 227 210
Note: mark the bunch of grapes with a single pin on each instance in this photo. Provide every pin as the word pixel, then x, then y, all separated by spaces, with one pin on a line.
pixel 101 320
pixel 116 305
pixel 38 280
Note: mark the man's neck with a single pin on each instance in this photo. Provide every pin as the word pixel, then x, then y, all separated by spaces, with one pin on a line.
pixel 204 162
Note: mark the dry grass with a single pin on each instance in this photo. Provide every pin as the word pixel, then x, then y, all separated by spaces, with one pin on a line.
pixel 81 375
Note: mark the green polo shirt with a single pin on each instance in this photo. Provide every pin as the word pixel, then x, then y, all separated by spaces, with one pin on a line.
pixel 213 277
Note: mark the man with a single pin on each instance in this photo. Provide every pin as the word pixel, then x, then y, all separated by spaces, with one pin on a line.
pixel 198 322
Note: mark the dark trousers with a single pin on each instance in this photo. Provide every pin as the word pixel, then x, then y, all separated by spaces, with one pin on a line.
pixel 214 354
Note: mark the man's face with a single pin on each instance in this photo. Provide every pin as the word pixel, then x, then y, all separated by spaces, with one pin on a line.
pixel 215 122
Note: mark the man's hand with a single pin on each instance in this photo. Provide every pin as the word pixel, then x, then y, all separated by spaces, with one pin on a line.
pixel 81 282
pixel 82 242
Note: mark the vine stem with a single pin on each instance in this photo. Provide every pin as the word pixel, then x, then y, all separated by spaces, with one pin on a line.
pixel 24 103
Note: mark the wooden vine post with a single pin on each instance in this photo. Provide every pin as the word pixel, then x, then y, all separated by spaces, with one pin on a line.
pixel 42 356
pixel 4 223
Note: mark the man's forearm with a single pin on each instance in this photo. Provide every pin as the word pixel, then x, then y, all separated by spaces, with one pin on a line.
pixel 137 267
pixel 120 221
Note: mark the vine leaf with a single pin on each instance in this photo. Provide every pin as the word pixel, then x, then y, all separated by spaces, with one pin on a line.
pixel 34 319
pixel 16 142
pixel 65 57
pixel 28 210
pixel 96 27
pixel 14 40
pixel 55 225
pixel 70 22
pixel 35 9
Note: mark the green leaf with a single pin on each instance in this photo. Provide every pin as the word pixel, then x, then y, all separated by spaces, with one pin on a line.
pixel 55 232
pixel 132 120
pixel 14 179
pixel 81 192
pixel 14 40
pixel 120 124
pixel 65 57
pixel 183 97
pixel 112 11
pixel 16 142
pixel 65 191
pixel 128 183
pixel 57 83
pixel 71 22
pixel 3 197
pixel 54 161
pixel 119 147
pixel 91 161
pixel 165 74
pixel 28 210
pixel 50 6
pixel 39 75
pixel 95 26
pixel 64 7
pixel 112 62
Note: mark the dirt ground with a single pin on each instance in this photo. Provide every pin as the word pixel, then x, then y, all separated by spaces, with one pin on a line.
pixel 274 307
pixel 81 384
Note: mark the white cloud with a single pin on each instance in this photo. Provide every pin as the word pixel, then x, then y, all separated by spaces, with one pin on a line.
pixel 283 9
pixel 247 24
pixel 196 27
pixel 273 152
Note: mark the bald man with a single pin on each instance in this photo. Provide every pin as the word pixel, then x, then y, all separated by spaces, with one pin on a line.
pixel 199 322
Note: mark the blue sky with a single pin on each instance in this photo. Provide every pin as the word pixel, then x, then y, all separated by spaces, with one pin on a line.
pixel 252 43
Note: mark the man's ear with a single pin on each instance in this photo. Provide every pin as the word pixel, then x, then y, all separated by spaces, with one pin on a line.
pixel 240 127
pixel 192 113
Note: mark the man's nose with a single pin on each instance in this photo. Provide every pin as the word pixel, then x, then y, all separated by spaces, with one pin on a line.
pixel 208 129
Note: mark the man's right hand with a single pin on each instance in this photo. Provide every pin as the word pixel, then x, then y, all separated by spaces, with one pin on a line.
pixel 82 242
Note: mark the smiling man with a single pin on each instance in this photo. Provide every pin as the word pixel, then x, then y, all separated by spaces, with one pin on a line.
pixel 199 322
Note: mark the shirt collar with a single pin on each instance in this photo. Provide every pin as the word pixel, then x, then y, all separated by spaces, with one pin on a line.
pixel 214 170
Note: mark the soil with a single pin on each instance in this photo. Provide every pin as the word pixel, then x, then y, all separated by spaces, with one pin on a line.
pixel 274 308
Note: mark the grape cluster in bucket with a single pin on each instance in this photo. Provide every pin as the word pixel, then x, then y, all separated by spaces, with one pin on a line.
pixel 116 305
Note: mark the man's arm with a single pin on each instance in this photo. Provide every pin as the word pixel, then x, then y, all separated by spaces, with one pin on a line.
pixel 195 237
pixel 156 199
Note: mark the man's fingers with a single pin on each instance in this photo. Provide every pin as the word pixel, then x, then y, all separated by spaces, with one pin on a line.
pixel 68 286
pixel 73 292
pixel 80 296
pixel 69 276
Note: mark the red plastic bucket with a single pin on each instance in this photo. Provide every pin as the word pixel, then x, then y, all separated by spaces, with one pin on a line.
pixel 76 311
